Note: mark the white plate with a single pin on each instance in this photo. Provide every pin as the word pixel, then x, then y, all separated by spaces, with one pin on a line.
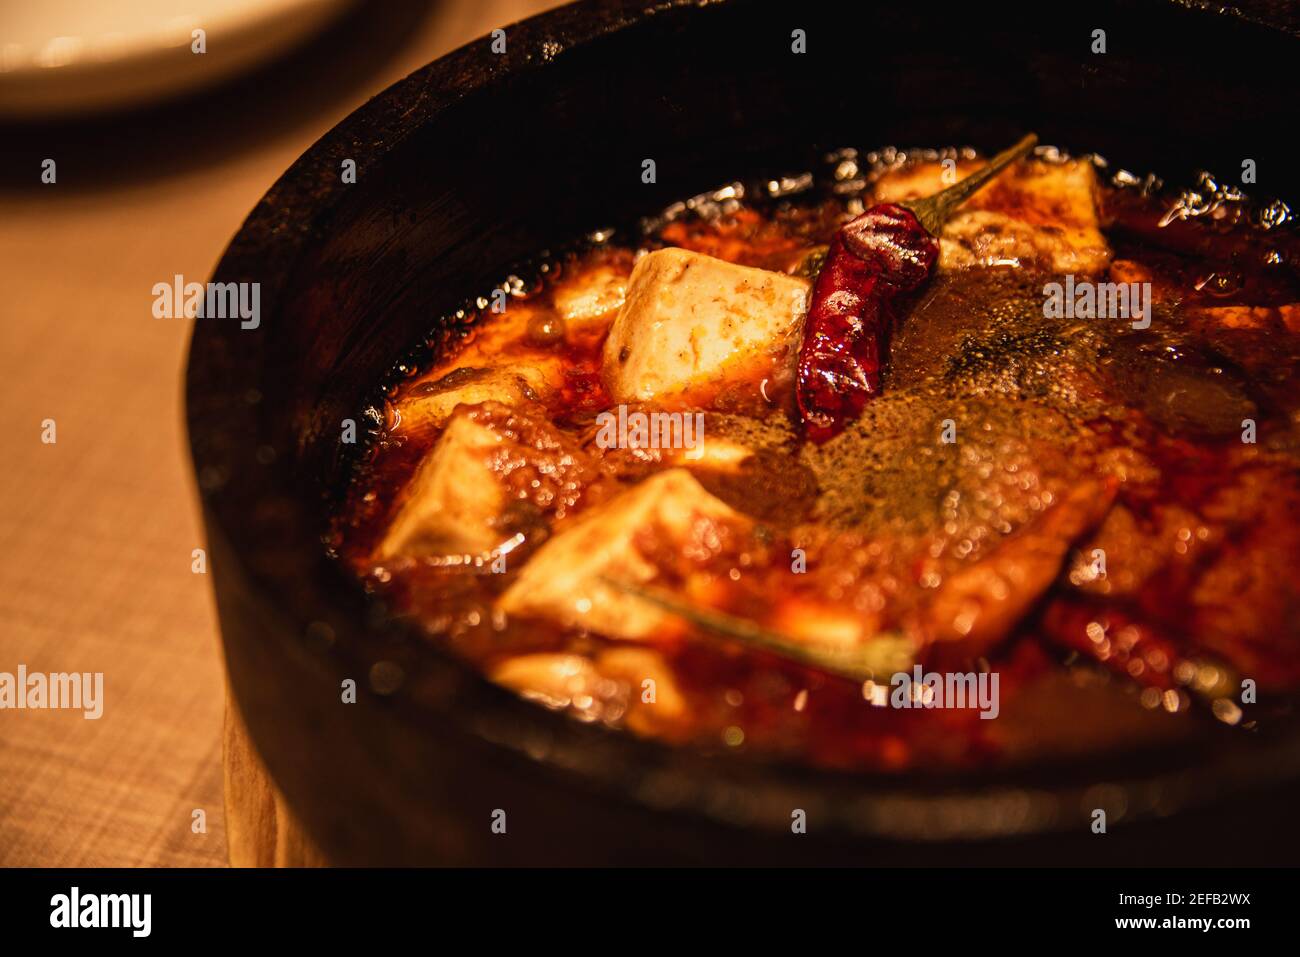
pixel 79 56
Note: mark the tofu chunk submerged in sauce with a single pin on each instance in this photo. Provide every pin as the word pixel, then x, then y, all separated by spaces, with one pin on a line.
pixel 603 496
pixel 1036 214
pixel 570 578
pixel 695 331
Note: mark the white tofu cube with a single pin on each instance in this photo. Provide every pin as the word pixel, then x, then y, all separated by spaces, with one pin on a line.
pixel 1033 214
pixel 588 301
pixel 429 404
pixel 452 500
pixel 566 580
pixel 696 331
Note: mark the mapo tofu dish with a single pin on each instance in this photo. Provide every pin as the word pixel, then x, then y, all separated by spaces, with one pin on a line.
pixel 917 460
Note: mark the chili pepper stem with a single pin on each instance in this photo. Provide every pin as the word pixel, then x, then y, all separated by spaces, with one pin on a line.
pixel 881 657
pixel 933 211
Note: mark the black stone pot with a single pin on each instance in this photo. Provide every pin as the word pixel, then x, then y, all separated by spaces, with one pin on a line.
pixel 478 161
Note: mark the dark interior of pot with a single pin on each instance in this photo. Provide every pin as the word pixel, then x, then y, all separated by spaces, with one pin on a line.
pixel 481 161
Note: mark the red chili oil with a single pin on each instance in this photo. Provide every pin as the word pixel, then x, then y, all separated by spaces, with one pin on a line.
pixel 1101 663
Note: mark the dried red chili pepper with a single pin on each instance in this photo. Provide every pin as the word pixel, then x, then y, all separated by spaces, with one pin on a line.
pixel 1116 640
pixel 888 251
pixel 884 252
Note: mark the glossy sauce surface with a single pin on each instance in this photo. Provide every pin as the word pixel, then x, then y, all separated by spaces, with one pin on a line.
pixel 1074 437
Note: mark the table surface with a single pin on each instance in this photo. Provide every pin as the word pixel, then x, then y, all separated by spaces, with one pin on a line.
pixel 97 529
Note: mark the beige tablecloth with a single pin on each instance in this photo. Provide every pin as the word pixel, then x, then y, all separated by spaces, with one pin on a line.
pixel 97 528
